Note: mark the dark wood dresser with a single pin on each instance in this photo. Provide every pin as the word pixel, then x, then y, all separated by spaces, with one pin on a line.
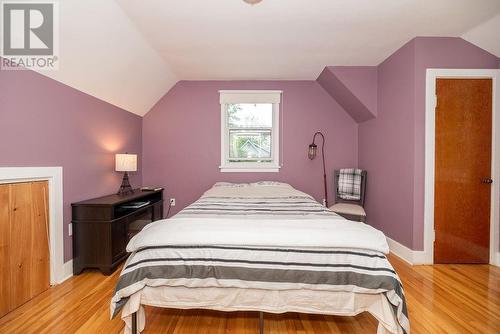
pixel 103 226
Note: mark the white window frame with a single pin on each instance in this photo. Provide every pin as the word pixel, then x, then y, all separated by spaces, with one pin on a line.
pixel 250 96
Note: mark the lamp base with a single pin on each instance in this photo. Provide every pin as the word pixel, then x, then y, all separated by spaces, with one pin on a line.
pixel 125 188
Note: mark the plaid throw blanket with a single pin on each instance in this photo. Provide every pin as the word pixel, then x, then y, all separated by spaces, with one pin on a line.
pixel 349 185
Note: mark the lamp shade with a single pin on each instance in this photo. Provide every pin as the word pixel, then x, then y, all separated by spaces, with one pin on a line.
pixel 126 162
pixel 252 2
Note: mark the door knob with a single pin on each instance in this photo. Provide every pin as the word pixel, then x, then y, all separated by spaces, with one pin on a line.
pixel 487 180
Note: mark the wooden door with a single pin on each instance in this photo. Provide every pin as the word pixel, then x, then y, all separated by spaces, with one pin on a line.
pixel 20 243
pixel 24 250
pixel 40 255
pixel 463 170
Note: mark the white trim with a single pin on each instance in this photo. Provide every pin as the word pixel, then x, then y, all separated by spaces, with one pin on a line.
pixel 54 177
pixel 497 260
pixel 430 103
pixel 410 256
pixel 249 91
pixel 249 170
pixel 250 96
pixel 67 271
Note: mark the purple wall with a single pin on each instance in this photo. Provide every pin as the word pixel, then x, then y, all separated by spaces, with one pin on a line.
pixel 45 123
pixel 361 81
pixel 391 147
pixel 181 138
pixel 385 148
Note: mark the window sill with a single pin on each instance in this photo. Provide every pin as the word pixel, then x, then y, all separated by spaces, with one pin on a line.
pixel 249 170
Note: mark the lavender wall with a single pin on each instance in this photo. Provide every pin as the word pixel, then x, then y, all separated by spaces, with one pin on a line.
pixel 45 123
pixel 361 81
pixel 385 148
pixel 391 146
pixel 181 138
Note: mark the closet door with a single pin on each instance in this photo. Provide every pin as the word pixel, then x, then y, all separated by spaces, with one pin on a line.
pixel 24 237
pixel 20 241
pixel 40 267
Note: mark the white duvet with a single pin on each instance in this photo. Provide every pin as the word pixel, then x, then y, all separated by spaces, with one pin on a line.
pixel 260 230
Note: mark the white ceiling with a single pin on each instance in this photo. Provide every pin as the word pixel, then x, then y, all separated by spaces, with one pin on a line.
pixel 130 52
pixel 486 35
pixel 292 39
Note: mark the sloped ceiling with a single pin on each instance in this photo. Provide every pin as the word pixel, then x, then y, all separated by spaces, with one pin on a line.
pixel 130 53
pixel 486 35
pixel 104 55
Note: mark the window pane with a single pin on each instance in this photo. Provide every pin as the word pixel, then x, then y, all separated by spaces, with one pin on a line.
pixel 250 115
pixel 247 145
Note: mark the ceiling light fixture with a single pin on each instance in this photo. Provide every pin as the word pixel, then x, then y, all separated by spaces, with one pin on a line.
pixel 252 2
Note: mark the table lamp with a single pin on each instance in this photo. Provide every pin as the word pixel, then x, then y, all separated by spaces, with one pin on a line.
pixel 125 163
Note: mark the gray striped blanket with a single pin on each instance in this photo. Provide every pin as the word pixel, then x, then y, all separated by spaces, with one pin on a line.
pixel 242 262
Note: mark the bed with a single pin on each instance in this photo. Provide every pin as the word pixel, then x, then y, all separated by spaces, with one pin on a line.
pixel 263 247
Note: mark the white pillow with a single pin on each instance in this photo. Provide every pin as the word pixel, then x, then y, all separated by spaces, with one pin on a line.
pixel 270 183
pixel 229 184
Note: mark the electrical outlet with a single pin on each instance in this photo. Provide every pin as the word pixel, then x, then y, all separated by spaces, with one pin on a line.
pixel 172 202
pixel 70 229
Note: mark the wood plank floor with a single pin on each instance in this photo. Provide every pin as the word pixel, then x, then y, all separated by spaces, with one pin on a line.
pixel 441 299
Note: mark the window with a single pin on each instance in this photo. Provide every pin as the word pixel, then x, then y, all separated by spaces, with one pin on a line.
pixel 250 131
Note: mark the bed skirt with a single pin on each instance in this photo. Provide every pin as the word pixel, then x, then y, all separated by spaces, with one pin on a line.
pixel 270 301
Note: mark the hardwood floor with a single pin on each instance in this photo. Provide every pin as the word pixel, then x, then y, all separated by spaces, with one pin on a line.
pixel 441 299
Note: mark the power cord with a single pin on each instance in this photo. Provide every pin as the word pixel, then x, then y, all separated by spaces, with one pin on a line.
pixel 168 210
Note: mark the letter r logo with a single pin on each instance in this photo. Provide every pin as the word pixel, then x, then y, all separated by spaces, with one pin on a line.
pixel 28 29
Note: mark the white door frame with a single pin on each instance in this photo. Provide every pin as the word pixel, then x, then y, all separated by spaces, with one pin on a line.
pixel 58 271
pixel 430 132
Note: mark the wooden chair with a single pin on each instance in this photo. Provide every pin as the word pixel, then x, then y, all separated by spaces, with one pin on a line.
pixel 350 209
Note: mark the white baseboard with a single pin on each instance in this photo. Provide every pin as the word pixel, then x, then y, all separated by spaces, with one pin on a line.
pixel 419 257
pixel 68 271
pixel 406 254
